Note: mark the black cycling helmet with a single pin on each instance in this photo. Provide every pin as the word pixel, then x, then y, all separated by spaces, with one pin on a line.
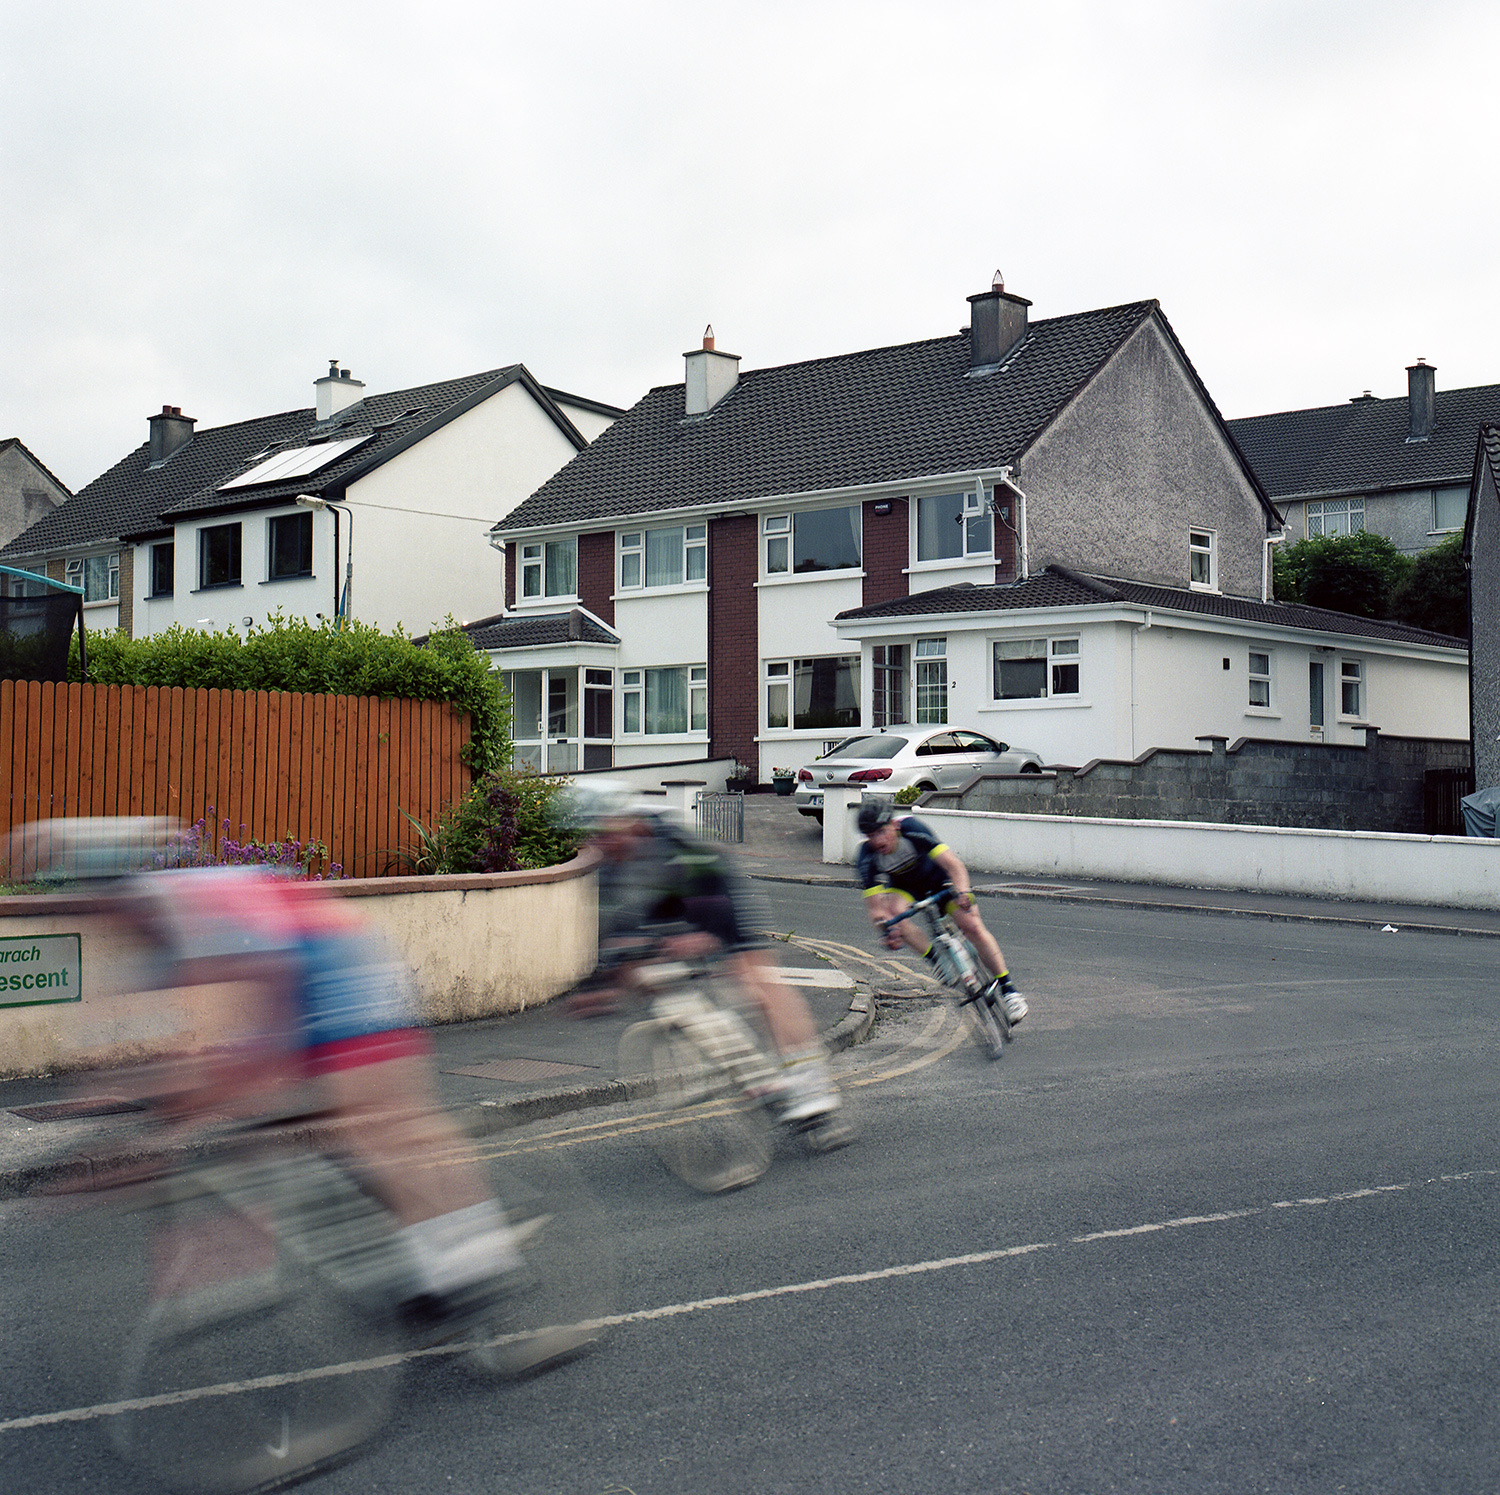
pixel 874 813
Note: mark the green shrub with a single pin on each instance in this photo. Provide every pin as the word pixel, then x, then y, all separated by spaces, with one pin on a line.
pixel 1358 574
pixel 506 823
pixel 292 654
pixel 908 796
pixel 1435 594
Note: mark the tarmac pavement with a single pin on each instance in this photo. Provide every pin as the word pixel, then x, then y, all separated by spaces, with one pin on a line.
pixel 545 1062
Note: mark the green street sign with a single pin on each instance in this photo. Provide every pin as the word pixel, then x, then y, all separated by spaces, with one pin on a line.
pixel 39 969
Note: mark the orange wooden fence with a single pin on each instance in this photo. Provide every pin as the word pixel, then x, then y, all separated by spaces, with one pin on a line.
pixel 335 769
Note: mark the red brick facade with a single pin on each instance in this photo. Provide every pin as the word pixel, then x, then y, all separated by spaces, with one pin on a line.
pixel 886 551
pixel 510 576
pixel 1007 536
pixel 596 574
pixel 733 639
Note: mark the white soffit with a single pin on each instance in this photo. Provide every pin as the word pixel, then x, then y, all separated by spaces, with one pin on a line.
pixel 297 463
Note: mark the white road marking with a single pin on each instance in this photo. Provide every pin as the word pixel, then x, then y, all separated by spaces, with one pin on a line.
pixel 757 1295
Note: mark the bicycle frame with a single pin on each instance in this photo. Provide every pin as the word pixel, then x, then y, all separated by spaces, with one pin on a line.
pixel 956 961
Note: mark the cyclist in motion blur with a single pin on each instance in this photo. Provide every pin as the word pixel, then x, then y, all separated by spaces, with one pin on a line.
pixel 655 873
pixel 308 994
pixel 901 861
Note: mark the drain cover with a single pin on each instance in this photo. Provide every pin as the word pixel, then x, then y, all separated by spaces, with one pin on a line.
pixel 77 1110
pixel 518 1071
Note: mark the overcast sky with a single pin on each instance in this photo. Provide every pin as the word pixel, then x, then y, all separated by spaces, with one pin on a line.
pixel 205 202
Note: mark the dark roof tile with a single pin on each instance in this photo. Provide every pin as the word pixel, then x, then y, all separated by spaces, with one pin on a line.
pixel 1060 587
pixel 886 414
pixel 1362 446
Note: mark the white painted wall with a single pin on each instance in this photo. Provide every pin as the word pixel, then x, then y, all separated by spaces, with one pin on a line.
pixel 795 622
pixel 1441 871
pixel 1166 685
pixel 419 532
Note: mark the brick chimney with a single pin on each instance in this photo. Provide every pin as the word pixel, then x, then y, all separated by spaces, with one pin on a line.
pixel 337 390
pixel 997 322
pixel 170 432
pixel 1421 400
pixel 710 375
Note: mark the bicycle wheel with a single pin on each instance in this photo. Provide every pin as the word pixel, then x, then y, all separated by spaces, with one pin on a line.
pixel 250 1368
pixel 567 1244
pixel 699 1121
pixel 988 1027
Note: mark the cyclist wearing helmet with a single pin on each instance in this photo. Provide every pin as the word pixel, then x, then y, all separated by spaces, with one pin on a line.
pixel 901 861
pixel 654 872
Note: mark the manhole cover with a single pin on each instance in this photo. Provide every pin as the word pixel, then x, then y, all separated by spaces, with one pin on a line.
pixel 1037 887
pixel 518 1071
pixel 77 1110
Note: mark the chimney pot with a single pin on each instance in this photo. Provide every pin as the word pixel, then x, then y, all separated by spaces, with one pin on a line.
pixel 708 337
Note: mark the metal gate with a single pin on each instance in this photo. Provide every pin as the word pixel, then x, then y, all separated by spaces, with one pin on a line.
pixel 1443 789
pixel 721 817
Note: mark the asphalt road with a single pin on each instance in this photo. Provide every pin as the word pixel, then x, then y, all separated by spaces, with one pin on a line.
pixel 1223 1219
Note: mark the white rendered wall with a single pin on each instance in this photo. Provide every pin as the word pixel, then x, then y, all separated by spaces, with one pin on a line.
pixel 1444 871
pixel 794 623
pixel 414 568
pixel 657 630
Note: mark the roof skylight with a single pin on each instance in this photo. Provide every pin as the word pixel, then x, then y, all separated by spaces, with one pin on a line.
pixel 296 463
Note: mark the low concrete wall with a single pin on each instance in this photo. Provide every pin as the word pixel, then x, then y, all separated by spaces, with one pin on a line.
pixel 476 946
pixel 1443 871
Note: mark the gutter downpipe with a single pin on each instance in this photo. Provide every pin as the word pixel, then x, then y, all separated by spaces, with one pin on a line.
pixel 1024 559
pixel 1266 570
pixel 1134 702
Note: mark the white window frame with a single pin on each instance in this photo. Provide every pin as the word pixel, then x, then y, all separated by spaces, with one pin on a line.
pixel 1351 677
pixel 531 560
pixel 634 546
pixel 1060 652
pixel 929 670
pixel 77 573
pixel 1260 680
pixel 1320 510
pixel 778 535
pixel 781 684
pixel 1203 543
pixel 974 507
pixel 1439 528
pixel 632 690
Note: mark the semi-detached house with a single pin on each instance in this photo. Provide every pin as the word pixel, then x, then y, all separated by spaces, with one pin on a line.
pixel 749 565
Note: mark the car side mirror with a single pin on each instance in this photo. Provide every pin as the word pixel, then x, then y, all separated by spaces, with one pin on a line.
pixel 1004 747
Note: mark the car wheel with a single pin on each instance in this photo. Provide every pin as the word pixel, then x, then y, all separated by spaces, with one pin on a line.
pixel 925 788
pixel 1031 768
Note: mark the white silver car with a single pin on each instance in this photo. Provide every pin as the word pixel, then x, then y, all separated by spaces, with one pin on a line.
pixel 888 759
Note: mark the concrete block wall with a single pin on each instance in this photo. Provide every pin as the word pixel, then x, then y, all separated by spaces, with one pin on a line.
pixel 1255 781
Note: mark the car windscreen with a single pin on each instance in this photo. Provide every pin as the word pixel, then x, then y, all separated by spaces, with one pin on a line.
pixel 867 747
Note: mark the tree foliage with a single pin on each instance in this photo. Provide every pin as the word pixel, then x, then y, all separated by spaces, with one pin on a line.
pixel 1435 593
pixel 292 654
pixel 1356 574
pixel 1364 574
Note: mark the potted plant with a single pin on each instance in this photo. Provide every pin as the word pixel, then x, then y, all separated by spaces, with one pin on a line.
pixel 785 780
pixel 739 780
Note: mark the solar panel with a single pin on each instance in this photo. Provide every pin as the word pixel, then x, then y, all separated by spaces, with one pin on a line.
pixel 296 463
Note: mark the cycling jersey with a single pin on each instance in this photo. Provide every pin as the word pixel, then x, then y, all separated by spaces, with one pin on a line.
pixel 910 866
pixel 353 1004
pixel 671 877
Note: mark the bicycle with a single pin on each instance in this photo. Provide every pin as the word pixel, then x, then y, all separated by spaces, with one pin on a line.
pixel 960 968
pixel 267 1342
pixel 717 1093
